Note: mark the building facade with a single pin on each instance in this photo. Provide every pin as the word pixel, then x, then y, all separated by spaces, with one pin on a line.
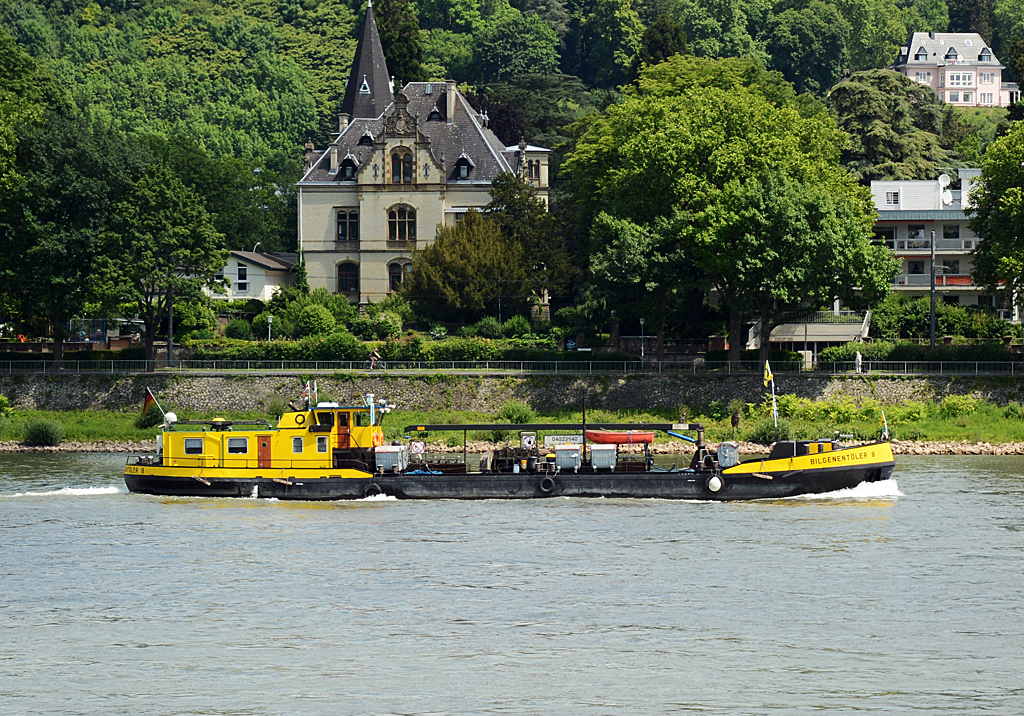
pixel 959 66
pixel 913 214
pixel 255 275
pixel 400 165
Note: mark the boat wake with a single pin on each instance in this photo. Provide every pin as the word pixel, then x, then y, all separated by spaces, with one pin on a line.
pixel 78 491
pixel 863 491
pixel 379 498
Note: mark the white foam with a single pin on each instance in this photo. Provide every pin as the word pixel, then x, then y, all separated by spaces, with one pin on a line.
pixel 379 498
pixel 109 490
pixel 865 490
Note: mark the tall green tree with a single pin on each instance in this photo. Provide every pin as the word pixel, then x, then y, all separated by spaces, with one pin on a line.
pixel 972 16
pixel 661 40
pixel 897 128
pixel 603 38
pixel 753 190
pixel 399 30
pixel 998 215
pixel 522 217
pixel 515 45
pixel 810 46
pixel 52 223
pixel 468 270
pixel 162 246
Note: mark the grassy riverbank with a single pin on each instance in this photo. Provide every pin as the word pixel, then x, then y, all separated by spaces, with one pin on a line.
pixel 955 418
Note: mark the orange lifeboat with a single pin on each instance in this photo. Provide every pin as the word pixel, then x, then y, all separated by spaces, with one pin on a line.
pixel 631 437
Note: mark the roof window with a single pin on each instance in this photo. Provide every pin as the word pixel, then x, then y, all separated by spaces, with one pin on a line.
pixel 365 89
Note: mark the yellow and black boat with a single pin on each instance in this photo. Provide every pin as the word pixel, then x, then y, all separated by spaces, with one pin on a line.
pixel 336 452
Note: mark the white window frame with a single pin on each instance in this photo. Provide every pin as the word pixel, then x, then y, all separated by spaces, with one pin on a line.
pixel 892 198
pixel 237 449
pixel 986 78
pixel 924 78
pixel 954 96
pixel 243 278
pixel 193 446
pixel 967 97
pixel 985 98
pixel 297 445
pixel 961 79
pixel 321 443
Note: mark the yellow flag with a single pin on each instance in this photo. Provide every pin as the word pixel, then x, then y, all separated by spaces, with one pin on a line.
pixel 768 377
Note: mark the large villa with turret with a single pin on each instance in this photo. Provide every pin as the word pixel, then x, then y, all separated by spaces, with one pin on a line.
pixel 401 164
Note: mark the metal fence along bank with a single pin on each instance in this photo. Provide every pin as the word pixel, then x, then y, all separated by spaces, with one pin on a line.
pixel 697 367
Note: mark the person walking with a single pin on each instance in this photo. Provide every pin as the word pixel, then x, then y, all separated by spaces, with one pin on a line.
pixel 374 357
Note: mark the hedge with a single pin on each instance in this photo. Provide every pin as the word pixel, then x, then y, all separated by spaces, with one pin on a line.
pixel 911 352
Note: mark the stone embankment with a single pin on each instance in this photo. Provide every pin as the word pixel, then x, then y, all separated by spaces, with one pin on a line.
pixel 147 446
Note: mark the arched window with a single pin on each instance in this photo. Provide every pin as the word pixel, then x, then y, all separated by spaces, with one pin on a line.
pixel 348 278
pixel 401 167
pixel 533 169
pixel 396 274
pixel 401 224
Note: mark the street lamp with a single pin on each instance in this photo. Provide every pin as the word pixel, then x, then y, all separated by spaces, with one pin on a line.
pixel 257 244
pixel 641 341
pixel 270 322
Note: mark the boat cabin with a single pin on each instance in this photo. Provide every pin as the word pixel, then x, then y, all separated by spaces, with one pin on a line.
pixel 796 448
pixel 329 435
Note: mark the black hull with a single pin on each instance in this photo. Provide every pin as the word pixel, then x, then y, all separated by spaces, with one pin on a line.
pixel 670 485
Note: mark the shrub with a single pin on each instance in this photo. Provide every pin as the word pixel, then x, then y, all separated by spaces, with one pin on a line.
pixel 394 303
pixel 515 327
pixel 466 331
pixel 515 412
pixel 955 406
pixel 314 320
pixel 363 327
pixel 341 345
pixel 43 433
pixel 488 327
pixel 387 325
pixel 764 432
pixel 5 406
pixel 259 327
pixel 438 332
pixel 150 419
pixel 239 328
pixel 1014 411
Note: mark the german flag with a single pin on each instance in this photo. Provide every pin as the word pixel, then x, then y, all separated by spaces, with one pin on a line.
pixel 149 402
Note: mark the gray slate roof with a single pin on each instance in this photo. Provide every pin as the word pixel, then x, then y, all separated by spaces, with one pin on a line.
pixel 968 46
pixel 428 103
pixel 271 262
pixel 369 85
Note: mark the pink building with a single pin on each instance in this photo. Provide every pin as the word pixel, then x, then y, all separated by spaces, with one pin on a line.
pixel 959 66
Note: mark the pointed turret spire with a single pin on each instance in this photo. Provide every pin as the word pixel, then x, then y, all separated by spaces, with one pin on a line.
pixel 368 92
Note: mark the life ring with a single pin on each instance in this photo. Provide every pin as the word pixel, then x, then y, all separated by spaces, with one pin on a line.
pixel 378 439
pixel 715 483
pixel 372 490
pixel 300 419
pixel 547 484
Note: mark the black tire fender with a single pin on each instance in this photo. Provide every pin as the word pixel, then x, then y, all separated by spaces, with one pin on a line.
pixel 547 484
pixel 372 490
pixel 715 483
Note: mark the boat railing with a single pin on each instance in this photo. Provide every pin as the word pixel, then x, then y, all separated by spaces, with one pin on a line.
pixel 697 366
pixel 203 462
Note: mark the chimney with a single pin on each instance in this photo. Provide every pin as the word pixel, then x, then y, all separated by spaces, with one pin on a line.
pixel 308 158
pixel 450 92
pixel 342 122
pixel 334 158
pixel 931 35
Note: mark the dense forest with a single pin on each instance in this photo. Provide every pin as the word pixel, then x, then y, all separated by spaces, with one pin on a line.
pixel 217 97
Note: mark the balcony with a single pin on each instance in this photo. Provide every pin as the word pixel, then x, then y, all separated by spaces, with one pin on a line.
pixel 959 281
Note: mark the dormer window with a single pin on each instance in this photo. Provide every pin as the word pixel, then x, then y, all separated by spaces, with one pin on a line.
pixel 347 171
pixel 435 114
pixel 401 167
pixel 985 55
pixel 366 140
pixel 951 54
pixel 463 166
pixel 365 88
pixel 922 54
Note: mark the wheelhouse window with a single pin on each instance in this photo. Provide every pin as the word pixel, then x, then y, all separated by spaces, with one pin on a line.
pixel 321 444
pixel 296 445
pixel 238 446
pixel 363 419
pixel 325 418
pixel 401 168
pixel 193 446
pixel 348 278
pixel 402 224
pixel 348 225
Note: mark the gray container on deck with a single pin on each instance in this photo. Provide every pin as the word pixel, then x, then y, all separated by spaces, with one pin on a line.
pixel 392 458
pixel 603 457
pixel 568 457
